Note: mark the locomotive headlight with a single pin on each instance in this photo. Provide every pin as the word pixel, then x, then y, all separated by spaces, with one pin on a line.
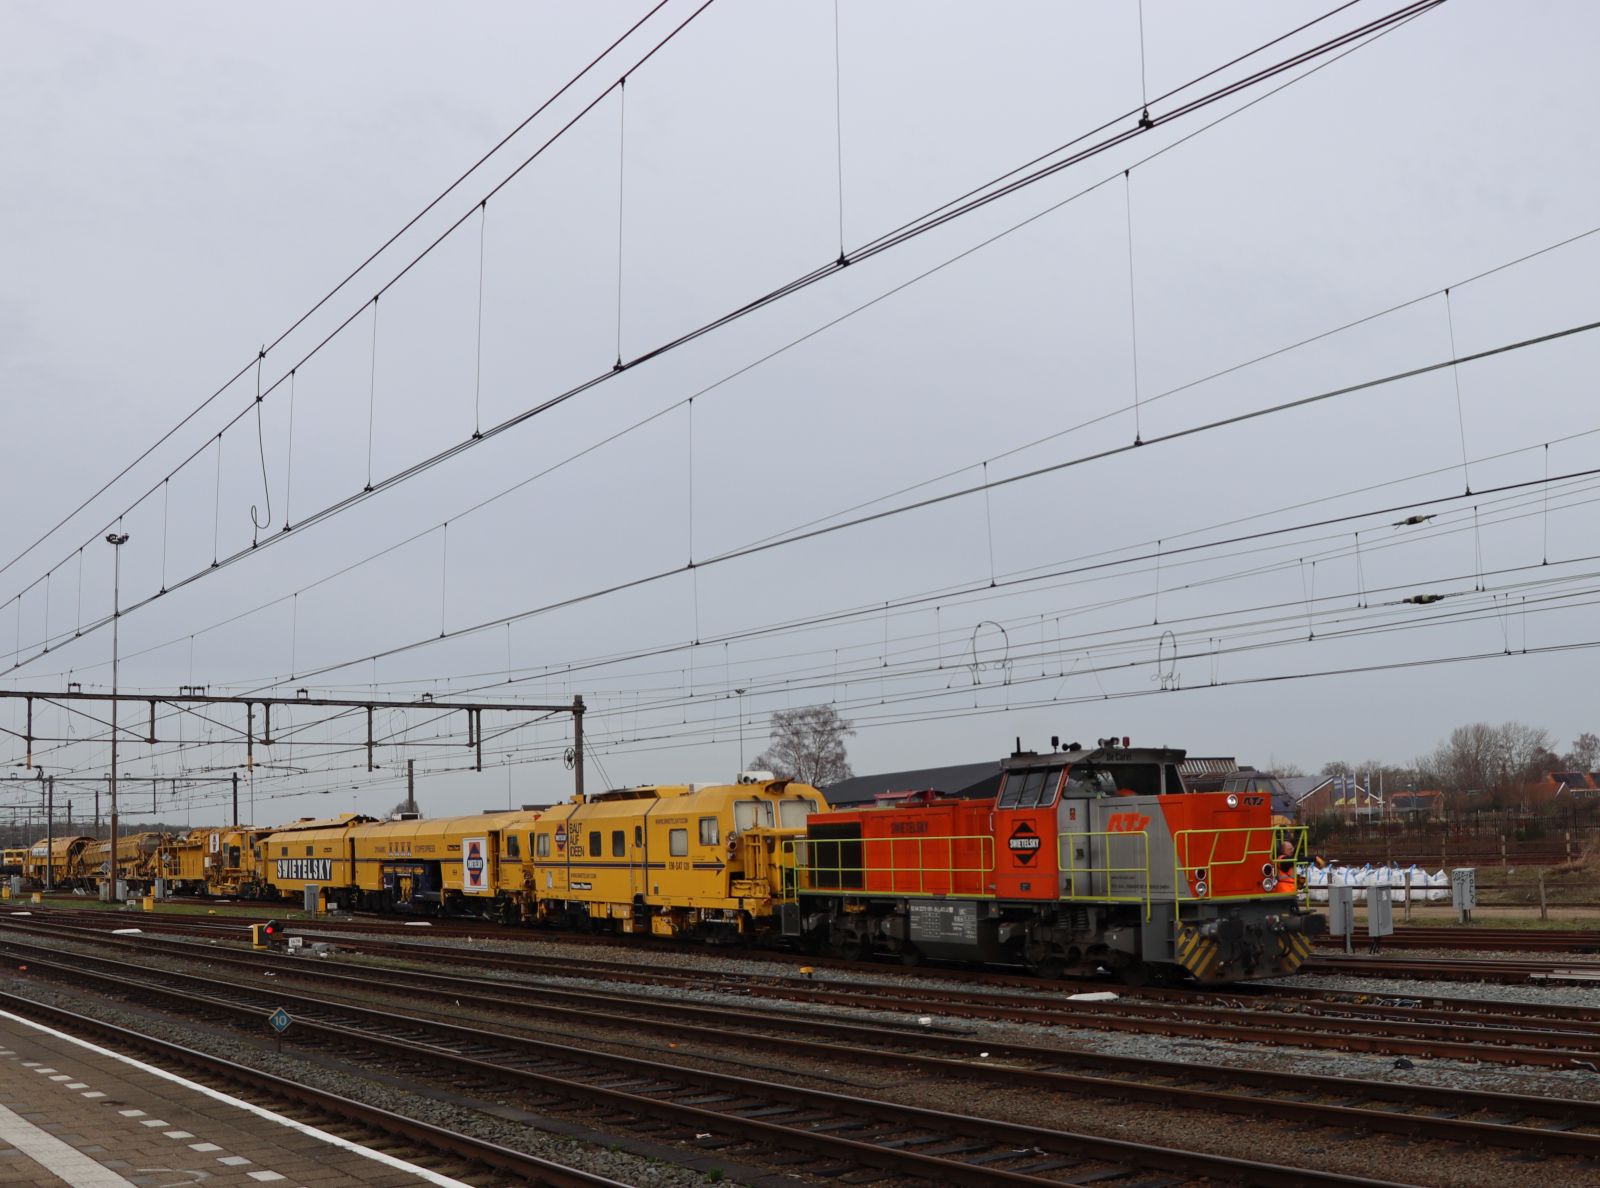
pixel 1233 801
pixel 1266 870
pixel 1267 884
pixel 1200 887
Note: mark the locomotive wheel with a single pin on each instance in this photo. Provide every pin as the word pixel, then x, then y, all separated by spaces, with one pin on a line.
pixel 850 946
pixel 911 956
pixel 1048 968
pixel 1135 973
pixel 1042 961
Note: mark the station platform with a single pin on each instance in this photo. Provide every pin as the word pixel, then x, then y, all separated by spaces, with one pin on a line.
pixel 73 1113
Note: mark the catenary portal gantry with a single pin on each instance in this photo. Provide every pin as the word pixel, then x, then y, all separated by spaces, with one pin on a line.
pixel 474 711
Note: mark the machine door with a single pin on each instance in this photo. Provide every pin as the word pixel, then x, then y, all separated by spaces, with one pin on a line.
pixel 1025 834
pixel 1079 848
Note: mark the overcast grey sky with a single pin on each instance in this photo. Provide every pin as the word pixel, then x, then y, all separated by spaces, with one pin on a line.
pixel 183 181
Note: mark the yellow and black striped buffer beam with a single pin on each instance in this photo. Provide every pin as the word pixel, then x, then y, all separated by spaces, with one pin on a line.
pixel 1296 948
pixel 1198 954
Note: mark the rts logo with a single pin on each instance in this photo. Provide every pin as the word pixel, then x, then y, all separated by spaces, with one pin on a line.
pixel 1127 823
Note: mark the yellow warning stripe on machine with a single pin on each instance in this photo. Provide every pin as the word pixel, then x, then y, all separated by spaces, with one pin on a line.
pixel 1296 948
pixel 1198 954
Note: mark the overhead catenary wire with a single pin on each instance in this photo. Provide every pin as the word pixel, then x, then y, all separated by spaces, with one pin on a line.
pixel 1133 301
pixel 622 165
pixel 1110 558
pixel 1346 42
pixel 696 633
pixel 1023 476
pixel 337 289
pixel 836 679
pixel 662 574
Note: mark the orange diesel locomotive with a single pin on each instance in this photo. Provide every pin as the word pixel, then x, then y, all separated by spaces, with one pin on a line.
pixel 1086 859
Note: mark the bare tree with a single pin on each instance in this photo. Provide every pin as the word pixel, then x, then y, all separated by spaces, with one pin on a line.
pixel 1525 754
pixel 807 744
pixel 1493 759
pixel 1585 753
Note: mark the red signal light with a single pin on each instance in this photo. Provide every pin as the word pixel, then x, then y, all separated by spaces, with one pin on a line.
pixel 270 928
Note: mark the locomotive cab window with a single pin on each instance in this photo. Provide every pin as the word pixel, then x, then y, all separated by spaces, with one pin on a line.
pixel 748 814
pixel 638 835
pixel 541 845
pixel 1031 789
pixel 678 843
pixel 594 844
pixel 1139 779
pixel 310 850
pixel 1173 779
pixel 708 831
pixel 513 846
pixel 1090 781
pixel 619 843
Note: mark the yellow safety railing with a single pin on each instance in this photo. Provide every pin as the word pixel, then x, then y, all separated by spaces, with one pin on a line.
pixel 1187 844
pixel 918 865
pixel 1067 857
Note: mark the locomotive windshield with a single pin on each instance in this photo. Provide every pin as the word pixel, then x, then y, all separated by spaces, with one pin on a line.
pixel 1031 789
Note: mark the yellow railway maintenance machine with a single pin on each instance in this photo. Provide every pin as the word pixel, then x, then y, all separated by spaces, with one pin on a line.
pixel 671 859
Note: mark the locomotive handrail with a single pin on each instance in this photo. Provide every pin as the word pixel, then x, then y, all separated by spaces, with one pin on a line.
pixel 1268 855
pixel 1066 860
pixel 804 852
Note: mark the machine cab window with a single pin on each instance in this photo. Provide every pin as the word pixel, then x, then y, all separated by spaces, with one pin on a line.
pixel 1035 788
pixel 792 813
pixel 749 814
pixel 541 845
pixel 513 846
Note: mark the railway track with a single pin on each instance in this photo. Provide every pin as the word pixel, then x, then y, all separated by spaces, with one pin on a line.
pixel 321 1106
pixel 1509 1033
pixel 821 1133
pixel 1527 1124
pixel 1470 938
pixel 1457 969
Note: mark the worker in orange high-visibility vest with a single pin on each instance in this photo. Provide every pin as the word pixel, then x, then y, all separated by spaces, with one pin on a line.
pixel 1286 848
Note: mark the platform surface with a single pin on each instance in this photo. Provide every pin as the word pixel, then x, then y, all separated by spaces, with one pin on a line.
pixel 74 1115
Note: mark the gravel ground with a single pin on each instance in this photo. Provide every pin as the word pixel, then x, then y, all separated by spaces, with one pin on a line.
pixel 616 1164
pixel 1476 993
pixel 1240 1136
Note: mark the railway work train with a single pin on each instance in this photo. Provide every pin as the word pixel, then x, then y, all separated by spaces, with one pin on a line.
pixel 1085 859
